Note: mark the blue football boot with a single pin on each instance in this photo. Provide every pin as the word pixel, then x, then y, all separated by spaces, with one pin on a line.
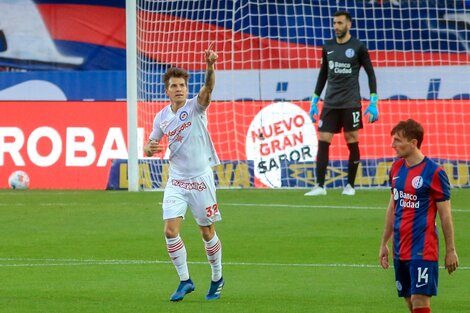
pixel 215 289
pixel 184 288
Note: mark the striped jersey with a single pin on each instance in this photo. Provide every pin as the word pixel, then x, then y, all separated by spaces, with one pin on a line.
pixel 192 152
pixel 416 190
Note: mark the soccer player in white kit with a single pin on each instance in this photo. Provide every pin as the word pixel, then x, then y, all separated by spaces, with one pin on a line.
pixel 191 180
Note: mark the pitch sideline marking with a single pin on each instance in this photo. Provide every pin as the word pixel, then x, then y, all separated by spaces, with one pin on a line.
pixel 345 207
pixel 269 205
pixel 80 262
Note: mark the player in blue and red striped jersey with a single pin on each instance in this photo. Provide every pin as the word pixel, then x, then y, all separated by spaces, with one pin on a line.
pixel 420 190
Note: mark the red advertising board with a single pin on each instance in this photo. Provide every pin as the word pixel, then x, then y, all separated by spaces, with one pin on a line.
pixel 447 132
pixel 61 145
pixel 70 145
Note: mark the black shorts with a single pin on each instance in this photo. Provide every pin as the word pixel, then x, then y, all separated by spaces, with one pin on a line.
pixel 333 120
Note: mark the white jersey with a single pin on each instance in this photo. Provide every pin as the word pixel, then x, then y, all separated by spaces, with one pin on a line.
pixel 192 152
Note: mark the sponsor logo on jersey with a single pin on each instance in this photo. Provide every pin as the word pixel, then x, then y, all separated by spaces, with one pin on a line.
pixel 179 129
pixel 417 182
pixel 340 67
pixel 189 186
pixel 183 116
pixel 349 53
pixel 405 200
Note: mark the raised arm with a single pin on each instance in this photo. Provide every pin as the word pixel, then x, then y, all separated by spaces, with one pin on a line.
pixel 204 97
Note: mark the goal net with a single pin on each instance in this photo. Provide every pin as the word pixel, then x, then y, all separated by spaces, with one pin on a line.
pixel 269 57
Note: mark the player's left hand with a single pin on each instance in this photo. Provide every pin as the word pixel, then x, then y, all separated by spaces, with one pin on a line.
pixel 210 55
pixel 451 261
pixel 372 109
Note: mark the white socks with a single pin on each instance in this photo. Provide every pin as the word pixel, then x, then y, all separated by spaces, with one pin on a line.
pixel 178 256
pixel 214 256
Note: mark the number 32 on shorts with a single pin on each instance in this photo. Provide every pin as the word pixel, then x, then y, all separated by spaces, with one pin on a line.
pixel 212 210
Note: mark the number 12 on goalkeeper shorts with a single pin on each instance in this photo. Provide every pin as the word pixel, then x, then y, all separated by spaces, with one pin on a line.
pixel 212 210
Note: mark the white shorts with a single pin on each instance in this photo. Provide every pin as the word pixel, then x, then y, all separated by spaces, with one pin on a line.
pixel 197 193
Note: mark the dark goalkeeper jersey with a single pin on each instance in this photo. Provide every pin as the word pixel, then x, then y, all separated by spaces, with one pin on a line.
pixel 340 67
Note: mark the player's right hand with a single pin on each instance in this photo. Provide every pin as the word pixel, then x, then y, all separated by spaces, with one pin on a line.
pixel 210 55
pixel 152 147
pixel 314 108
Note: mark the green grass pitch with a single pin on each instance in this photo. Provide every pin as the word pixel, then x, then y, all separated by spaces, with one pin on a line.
pixel 103 251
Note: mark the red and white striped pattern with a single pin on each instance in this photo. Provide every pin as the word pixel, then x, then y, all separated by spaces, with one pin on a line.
pixel 210 251
pixel 174 247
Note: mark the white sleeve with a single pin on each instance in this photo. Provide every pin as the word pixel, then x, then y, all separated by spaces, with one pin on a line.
pixel 199 107
pixel 156 133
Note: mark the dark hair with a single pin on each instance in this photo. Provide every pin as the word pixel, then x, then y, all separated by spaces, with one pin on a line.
pixel 175 72
pixel 410 129
pixel 344 13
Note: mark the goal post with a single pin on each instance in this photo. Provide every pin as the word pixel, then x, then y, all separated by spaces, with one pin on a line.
pixel 131 90
pixel 269 57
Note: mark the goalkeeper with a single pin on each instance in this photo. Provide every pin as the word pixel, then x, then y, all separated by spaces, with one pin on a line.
pixel 342 58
